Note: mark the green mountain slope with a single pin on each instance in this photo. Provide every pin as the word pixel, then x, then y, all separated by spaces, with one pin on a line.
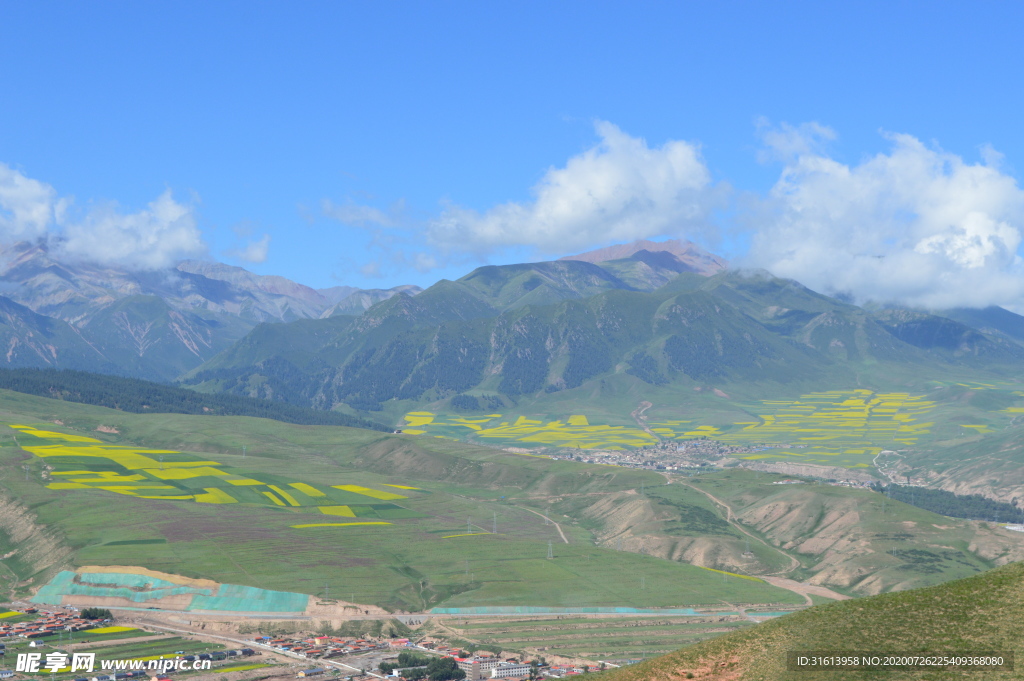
pixel 144 397
pixel 479 335
pixel 511 286
pixel 145 337
pixel 991 320
pixel 984 613
pixel 33 340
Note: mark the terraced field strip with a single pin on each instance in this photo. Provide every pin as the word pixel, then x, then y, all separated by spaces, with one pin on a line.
pixel 592 638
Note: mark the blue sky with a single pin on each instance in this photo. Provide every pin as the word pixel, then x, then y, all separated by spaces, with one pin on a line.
pixel 375 144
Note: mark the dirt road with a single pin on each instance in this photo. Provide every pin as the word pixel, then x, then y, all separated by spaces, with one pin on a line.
pixel 557 526
pixel 730 518
pixel 641 420
pixel 805 590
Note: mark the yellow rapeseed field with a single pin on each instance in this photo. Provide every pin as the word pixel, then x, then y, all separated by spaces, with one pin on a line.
pixel 145 474
pixel 840 427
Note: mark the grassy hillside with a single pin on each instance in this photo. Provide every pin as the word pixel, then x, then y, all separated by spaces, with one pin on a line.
pixel 980 613
pixel 371 517
pixel 408 521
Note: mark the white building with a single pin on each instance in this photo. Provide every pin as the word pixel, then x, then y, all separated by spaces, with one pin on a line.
pixel 477 667
pixel 508 669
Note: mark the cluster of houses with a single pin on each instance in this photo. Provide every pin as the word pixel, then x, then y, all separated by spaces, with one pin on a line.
pixel 321 647
pixel 47 624
pixel 559 671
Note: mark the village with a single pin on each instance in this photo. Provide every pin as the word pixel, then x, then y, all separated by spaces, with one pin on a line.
pixel 679 456
pixel 475 667
pixel 53 636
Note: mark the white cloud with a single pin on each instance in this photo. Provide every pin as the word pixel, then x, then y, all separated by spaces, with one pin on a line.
pixel 619 190
pixel 371 270
pixel 253 252
pixel 27 206
pixel 358 215
pixel 786 142
pixel 156 237
pixel 917 225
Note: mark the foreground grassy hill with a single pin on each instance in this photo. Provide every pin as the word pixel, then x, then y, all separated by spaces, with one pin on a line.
pixel 984 613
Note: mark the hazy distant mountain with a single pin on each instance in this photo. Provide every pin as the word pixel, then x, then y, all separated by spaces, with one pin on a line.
pixel 358 301
pixel 28 339
pixel 155 325
pixel 690 254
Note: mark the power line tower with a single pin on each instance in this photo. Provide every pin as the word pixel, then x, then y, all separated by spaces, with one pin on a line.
pixel 550 552
pixel 469 524
pixel 495 528
pixel 243 451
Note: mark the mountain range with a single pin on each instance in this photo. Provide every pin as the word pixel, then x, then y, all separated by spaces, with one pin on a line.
pixel 665 314
pixel 502 333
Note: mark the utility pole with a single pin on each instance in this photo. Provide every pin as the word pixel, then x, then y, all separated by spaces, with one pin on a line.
pixel 495 529
pixel 243 451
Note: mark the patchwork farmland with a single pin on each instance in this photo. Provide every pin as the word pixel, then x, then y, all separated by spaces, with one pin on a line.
pixel 840 428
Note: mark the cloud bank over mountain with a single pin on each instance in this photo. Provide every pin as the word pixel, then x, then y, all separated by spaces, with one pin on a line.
pixel 619 190
pixel 916 225
pixel 156 237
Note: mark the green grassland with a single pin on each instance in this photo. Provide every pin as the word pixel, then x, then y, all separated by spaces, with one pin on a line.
pixel 980 613
pixel 413 562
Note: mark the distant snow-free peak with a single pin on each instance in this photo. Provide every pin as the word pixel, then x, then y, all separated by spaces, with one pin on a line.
pixel 687 252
